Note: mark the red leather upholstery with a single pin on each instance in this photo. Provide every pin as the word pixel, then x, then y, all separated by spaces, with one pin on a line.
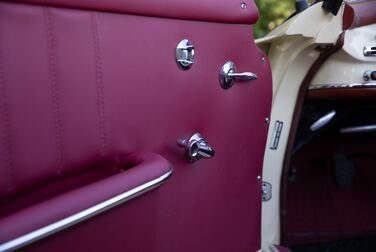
pixel 207 10
pixel 77 86
pixel 140 169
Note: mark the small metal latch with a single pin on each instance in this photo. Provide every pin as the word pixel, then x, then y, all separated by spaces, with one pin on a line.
pixel 369 51
pixel 276 135
pixel 266 191
pixel 185 54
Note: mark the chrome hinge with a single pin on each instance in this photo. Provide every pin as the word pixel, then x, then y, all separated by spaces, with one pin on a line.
pixel 276 135
pixel 266 191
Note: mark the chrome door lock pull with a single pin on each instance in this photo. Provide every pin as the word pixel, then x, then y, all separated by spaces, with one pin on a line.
pixel 228 74
pixel 196 148
pixel 185 54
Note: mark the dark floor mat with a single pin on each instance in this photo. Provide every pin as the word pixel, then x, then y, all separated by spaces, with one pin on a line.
pixel 320 210
pixel 363 244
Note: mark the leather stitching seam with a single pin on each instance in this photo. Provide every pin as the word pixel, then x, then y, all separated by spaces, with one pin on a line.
pixel 5 130
pixel 51 44
pixel 99 84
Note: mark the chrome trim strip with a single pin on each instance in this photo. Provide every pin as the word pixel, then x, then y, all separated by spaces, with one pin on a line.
pixel 359 129
pixel 342 85
pixel 83 215
pixel 322 121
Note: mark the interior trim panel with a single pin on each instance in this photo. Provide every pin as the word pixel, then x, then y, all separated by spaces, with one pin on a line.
pixel 83 83
pixel 237 12
pixel 62 224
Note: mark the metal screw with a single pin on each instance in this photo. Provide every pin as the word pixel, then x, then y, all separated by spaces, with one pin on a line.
pixel 267 120
pixel 243 6
pixel 258 177
pixel 263 59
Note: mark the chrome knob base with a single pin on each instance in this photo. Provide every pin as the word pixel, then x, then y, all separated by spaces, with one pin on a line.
pixel 196 148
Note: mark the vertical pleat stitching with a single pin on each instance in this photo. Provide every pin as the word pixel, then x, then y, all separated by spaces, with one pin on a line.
pixel 52 70
pixel 5 130
pixel 99 84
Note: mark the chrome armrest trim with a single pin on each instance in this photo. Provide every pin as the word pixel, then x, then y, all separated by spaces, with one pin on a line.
pixel 323 120
pixel 83 215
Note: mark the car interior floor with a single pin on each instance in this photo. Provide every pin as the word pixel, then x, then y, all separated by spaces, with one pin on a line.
pixel 329 200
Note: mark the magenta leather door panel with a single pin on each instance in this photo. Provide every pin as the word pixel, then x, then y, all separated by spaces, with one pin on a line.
pixel 207 10
pixel 80 86
pixel 140 169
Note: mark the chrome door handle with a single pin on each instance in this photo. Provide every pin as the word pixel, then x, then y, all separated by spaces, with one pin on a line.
pixel 228 74
pixel 242 76
pixel 196 148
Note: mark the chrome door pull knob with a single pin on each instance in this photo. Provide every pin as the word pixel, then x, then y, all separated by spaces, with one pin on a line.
pixel 196 148
pixel 185 54
pixel 228 74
